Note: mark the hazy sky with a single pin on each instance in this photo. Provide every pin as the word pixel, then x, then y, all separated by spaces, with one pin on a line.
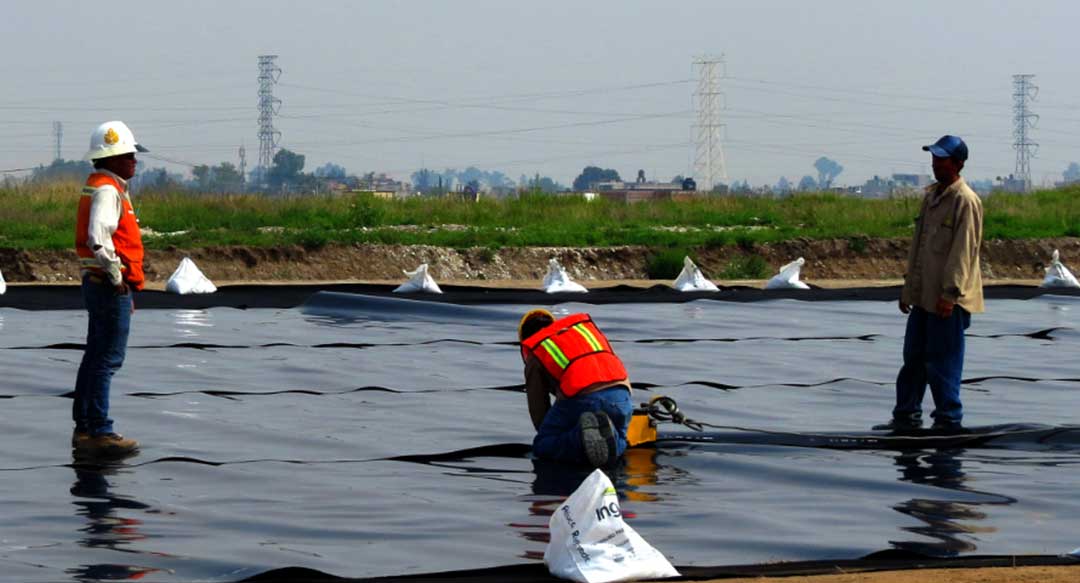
pixel 546 87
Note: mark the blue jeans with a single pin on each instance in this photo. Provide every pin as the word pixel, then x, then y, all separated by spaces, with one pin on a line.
pixel 106 345
pixel 559 437
pixel 934 355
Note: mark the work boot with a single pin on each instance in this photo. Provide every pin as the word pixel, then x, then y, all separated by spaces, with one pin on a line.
pixel 948 428
pixel 108 444
pixel 78 437
pixel 902 425
pixel 597 438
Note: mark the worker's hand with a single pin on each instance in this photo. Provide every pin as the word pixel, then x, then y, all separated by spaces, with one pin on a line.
pixel 121 289
pixel 944 307
pixel 904 308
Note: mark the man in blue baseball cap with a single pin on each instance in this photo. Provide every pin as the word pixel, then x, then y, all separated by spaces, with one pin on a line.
pixel 942 288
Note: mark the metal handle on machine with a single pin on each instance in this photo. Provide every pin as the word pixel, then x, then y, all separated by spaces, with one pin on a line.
pixel 665 409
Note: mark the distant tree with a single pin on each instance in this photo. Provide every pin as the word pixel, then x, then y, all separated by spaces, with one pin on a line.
pixel 423 180
pixel 331 171
pixel 544 184
pixel 678 179
pixel 783 185
pixel 593 174
pixel 286 169
pixel 221 178
pixel 828 170
pixel 1072 173
pixel 156 179
pixel 227 178
pixel 808 184
pixel 202 177
pixel 61 170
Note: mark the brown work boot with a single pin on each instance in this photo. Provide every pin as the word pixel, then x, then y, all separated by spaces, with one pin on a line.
pixel 107 444
pixel 78 437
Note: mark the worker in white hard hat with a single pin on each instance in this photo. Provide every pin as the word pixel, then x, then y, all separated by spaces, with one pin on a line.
pixel 109 245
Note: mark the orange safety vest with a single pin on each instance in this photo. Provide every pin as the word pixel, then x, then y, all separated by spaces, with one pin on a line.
pixel 576 353
pixel 126 239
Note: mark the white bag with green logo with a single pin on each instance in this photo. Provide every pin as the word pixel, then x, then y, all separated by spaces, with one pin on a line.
pixel 591 543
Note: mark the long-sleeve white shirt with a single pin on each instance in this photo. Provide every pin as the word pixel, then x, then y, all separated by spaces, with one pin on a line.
pixel 106 206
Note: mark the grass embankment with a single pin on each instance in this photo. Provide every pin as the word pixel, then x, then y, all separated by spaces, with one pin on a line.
pixel 42 216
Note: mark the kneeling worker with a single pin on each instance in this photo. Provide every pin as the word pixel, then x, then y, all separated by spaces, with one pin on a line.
pixel 573 360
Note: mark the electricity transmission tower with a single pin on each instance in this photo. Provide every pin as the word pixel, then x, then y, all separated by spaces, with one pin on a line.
pixel 1024 91
pixel 58 137
pixel 709 164
pixel 268 106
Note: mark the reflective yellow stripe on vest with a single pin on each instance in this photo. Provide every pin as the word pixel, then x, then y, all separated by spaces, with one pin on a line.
pixel 588 336
pixel 556 354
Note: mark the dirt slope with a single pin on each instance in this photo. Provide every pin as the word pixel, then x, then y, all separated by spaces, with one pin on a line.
pixel 839 259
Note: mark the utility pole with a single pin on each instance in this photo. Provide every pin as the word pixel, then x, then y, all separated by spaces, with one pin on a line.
pixel 269 73
pixel 1024 91
pixel 58 137
pixel 709 164
pixel 243 168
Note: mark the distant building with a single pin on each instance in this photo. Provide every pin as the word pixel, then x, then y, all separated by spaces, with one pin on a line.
pixel 912 181
pixel 638 195
pixel 897 184
pixel 619 185
pixel 637 191
pixel 381 186
pixel 1011 183
pixel 878 187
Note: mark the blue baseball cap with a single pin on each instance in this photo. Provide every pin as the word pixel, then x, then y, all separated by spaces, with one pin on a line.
pixel 948 147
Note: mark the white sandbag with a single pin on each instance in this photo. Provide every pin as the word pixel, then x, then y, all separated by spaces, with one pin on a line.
pixel 3 284
pixel 691 279
pixel 188 279
pixel 557 280
pixel 591 543
pixel 788 278
pixel 419 282
pixel 1057 275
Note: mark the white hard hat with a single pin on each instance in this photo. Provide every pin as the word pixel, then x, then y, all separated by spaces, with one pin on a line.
pixel 112 138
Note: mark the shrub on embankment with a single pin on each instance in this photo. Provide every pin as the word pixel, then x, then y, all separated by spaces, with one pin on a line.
pixel 42 216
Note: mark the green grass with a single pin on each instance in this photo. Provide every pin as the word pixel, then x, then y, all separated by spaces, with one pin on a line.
pixel 746 267
pixel 42 216
pixel 666 263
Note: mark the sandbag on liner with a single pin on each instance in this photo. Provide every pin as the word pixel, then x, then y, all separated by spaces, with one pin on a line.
pixel 557 280
pixel 189 279
pixel 419 282
pixel 788 278
pixel 591 543
pixel 691 279
pixel 1057 275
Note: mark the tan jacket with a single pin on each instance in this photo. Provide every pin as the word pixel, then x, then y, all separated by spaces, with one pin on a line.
pixel 944 256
